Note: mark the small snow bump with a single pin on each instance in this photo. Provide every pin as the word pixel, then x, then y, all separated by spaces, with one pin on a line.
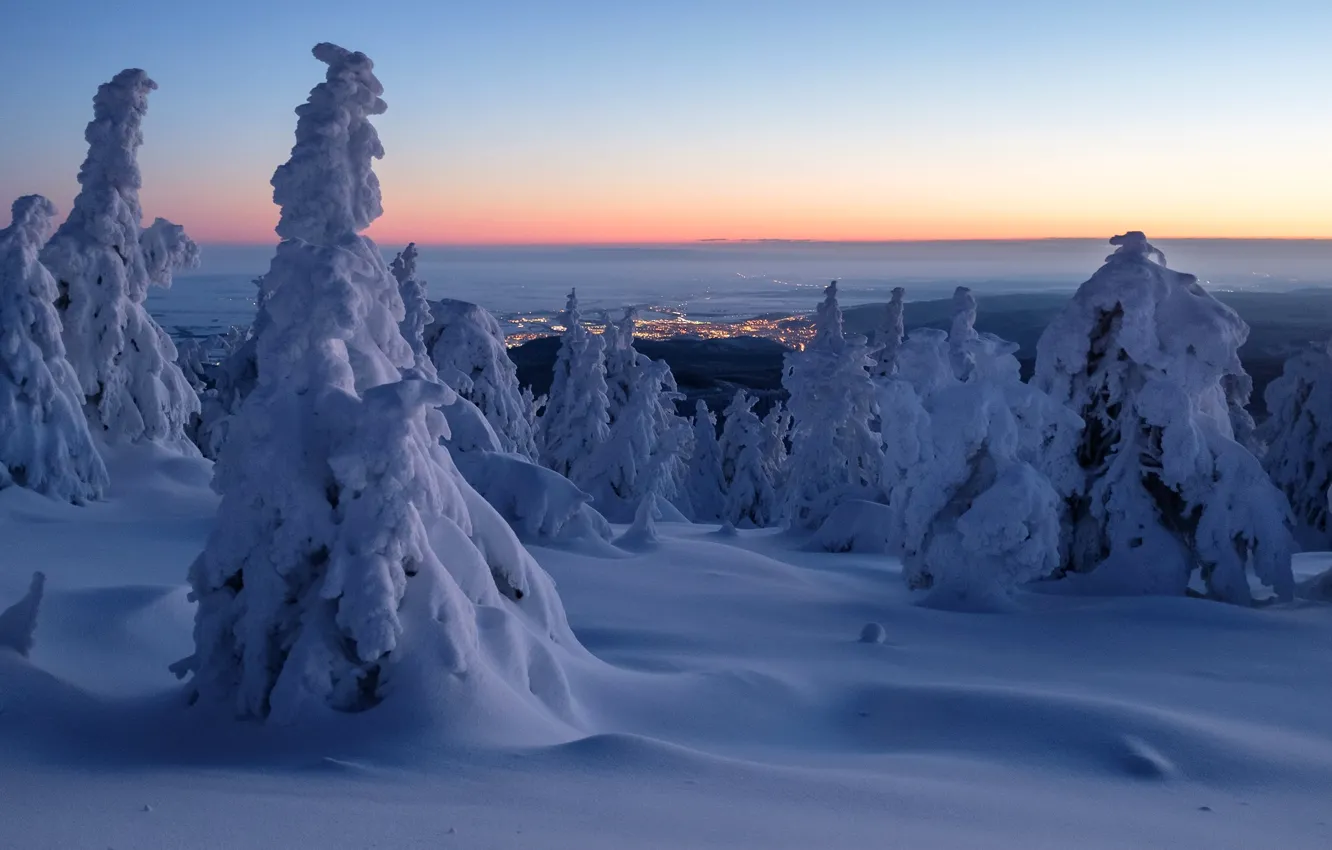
pixel 1144 761
pixel 873 633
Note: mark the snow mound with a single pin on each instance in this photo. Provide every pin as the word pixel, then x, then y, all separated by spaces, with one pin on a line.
pixel 539 503
pixel 642 534
pixel 855 525
pixel 18 622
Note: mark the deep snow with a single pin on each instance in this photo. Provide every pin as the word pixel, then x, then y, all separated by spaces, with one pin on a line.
pixel 731 704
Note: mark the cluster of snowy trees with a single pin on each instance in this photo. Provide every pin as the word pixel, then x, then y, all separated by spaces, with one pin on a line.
pixel 84 369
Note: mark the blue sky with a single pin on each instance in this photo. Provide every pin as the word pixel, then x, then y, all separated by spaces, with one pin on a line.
pixel 600 121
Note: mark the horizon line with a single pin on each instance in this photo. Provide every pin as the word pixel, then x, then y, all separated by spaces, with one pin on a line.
pixel 234 243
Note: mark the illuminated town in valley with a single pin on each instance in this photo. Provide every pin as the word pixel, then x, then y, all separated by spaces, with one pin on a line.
pixel 658 323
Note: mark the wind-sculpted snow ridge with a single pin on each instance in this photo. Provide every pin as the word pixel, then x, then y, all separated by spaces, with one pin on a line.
pixel 1166 495
pixel 104 264
pixel 351 563
pixel 44 440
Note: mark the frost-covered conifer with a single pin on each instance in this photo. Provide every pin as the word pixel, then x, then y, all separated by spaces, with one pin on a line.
pixel 963 333
pixel 415 306
pixel 706 484
pixel 776 449
pixel 974 513
pixel 834 453
pixel 104 264
pixel 44 440
pixel 1298 433
pixel 466 346
pixel 575 422
pixel 751 501
pixel 1165 492
pixel 629 464
pixel 888 337
pixel 349 554
pixel 621 360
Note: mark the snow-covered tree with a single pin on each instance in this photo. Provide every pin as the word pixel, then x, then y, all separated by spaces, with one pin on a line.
pixel 349 554
pixel 751 500
pixel 466 345
pixel 973 513
pixel 44 440
pixel 416 307
pixel 632 462
pixel 104 264
pixel 888 336
pixel 575 422
pixel 1166 493
pixel 622 359
pixel 777 426
pixel 706 483
pixel 963 333
pixel 1298 433
pixel 834 453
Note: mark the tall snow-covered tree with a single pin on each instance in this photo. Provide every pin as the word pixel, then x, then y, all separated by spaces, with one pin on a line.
pixel 1165 493
pixel 44 440
pixel 576 420
pixel 1298 433
pixel 834 453
pixel 889 335
pixel 466 346
pixel 349 553
pixel 706 483
pixel 104 263
pixel 622 359
pixel 963 333
pixel 628 464
pixel 415 306
pixel 751 500
pixel 777 425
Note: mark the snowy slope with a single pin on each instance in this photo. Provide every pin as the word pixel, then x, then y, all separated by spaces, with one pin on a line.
pixel 731 705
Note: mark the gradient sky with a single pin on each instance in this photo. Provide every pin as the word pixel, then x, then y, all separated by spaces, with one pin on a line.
pixel 615 120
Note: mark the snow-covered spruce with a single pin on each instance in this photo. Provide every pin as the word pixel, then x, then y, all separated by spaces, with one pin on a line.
pixel 706 484
pixel 466 346
pixel 416 309
pixel 350 558
pixel 751 500
pixel 777 425
pixel 962 333
pixel 889 335
pixel 834 453
pixel 44 440
pixel 973 513
pixel 627 466
pixel 1165 494
pixel 576 419
pixel 1298 433
pixel 104 264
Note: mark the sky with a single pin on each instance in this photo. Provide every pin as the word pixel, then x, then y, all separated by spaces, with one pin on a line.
pixel 595 121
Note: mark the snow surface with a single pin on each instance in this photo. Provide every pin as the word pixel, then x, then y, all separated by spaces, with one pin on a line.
pixel 731 704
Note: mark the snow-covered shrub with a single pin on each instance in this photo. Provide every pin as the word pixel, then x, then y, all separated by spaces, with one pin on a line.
pixel 576 420
pixel 973 514
pixel 1298 433
pixel 706 484
pixel 751 501
pixel 348 548
pixel 417 314
pixel 834 453
pixel 44 440
pixel 888 336
pixel 1164 492
pixel 104 264
pixel 540 504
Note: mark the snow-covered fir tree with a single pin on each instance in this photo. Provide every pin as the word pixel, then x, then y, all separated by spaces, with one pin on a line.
pixel 622 360
pixel 576 421
pixel 974 513
pixel 466 347
pixel 834 453
pixel 44 440
pixel 889 335
pixel 349 553
pixel 777 425
pixel 1165 493
pixel 751 500
pixel 627 464
pixel 706 483
pixel 104 263
pixel 416 308
pixel 1298 434
pixel 962 333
